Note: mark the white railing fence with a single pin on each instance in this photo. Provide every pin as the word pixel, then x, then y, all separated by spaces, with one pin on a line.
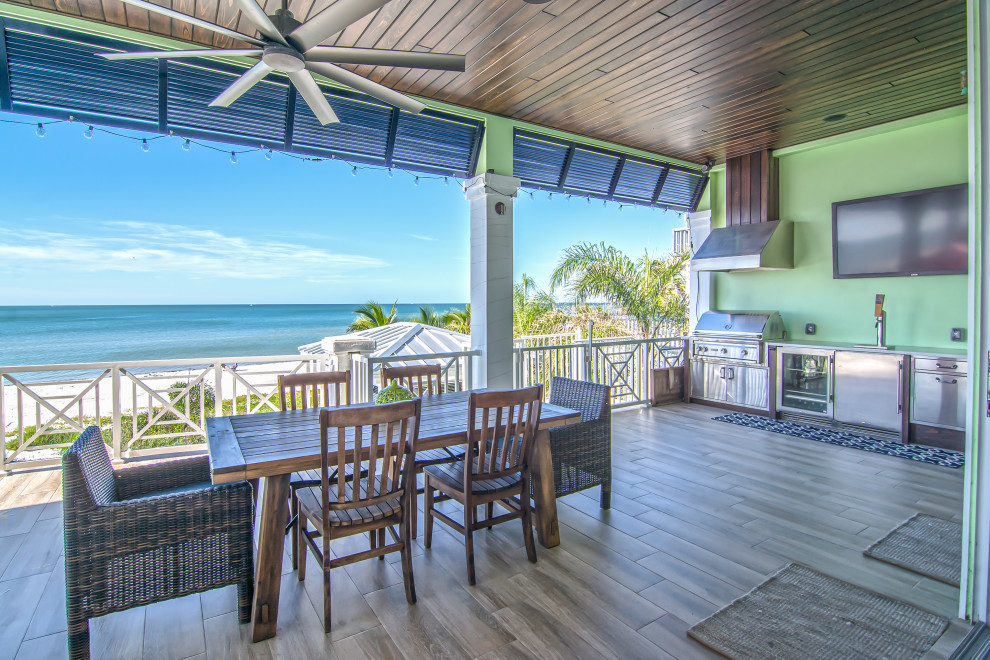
pixel 457 370
pixel 146 408
pixel 623 364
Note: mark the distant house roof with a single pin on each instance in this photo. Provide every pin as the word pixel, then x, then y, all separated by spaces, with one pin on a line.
pixel 403 338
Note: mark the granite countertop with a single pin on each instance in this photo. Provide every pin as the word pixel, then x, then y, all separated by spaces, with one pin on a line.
pixel 917 351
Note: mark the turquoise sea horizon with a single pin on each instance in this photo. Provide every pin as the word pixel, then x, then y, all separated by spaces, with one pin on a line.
pixel 33 335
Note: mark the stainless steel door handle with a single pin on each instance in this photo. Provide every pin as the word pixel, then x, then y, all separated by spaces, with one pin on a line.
pixel 938 379
pixel 944 366
pixel 900 386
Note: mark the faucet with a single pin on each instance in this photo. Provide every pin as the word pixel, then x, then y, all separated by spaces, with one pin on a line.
pixel 881 318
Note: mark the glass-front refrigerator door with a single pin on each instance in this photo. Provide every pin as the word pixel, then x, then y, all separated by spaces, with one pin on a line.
pixel 804 382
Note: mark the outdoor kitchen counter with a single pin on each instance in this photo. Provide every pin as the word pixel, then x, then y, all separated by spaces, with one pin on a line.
pixel 915 351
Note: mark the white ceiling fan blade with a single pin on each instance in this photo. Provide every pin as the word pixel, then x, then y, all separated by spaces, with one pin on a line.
pixel 168 54
pixel 354 81
pixel 314 96
pixel 385 57
pixel 332 20
pixel 251 77
pixel 260 20
pixel 150 6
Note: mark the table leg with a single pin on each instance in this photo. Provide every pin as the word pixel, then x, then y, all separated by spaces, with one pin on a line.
pixel 543 492
pixel 268 562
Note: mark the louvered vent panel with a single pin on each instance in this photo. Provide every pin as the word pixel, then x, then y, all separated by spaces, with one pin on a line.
pixel 66 75
pixel 679 190
pixel 537 162
pixel 435 144
pixel 591 172
pixel 362 131
pixel 638 181
pixel 258 114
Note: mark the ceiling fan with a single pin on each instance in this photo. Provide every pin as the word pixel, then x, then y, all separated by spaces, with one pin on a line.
pixel 293 48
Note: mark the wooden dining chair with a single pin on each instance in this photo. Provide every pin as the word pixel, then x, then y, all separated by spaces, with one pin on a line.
pixel 422 380
pixel 378 442
pixel 501 431
pixel 319 389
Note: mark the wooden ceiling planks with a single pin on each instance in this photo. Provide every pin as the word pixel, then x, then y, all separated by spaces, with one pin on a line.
pixel 689 78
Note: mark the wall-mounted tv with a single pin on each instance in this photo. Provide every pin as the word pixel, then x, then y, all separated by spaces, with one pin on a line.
pixel 923 232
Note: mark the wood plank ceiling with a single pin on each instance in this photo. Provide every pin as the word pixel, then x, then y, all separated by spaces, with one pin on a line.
pixel 685 78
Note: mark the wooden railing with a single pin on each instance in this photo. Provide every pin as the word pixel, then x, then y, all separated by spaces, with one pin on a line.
pixel 146 408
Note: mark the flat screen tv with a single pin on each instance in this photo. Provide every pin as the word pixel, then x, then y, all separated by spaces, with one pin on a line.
pixel 923 232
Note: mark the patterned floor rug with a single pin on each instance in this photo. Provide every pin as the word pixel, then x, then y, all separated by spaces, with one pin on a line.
pixel 935 455
pixel 923 544
pixel 800 613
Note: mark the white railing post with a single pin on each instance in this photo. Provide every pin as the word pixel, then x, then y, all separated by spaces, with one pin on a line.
pixel 3 427
pixel 115 407
pixel 218 391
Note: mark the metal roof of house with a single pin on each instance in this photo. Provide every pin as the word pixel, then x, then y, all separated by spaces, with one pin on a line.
pixel 397 339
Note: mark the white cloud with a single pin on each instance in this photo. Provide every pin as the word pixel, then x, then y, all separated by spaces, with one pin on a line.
pixel 147 247
pixel 420 237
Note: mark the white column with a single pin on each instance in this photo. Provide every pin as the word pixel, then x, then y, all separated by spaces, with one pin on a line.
pixel 491 198
pixel 699 281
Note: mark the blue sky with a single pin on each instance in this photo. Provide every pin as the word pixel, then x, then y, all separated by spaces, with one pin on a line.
pixel 100 222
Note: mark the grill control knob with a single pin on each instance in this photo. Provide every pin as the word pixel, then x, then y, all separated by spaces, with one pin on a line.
pixel 725 350
pixel 745 353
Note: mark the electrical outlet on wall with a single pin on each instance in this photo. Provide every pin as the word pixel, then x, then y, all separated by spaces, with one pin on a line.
pixel 958 334
pixel 809 328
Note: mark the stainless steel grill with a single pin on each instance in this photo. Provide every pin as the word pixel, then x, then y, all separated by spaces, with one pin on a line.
pixel 728 357
pixel 735 336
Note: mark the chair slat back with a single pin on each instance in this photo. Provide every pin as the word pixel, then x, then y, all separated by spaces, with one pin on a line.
pixel 501 428
pixel 420 379
pixel 377 441
pixel 314 390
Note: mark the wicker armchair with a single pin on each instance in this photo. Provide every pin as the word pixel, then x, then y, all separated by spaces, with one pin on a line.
pixel 582 453
pixel 149 533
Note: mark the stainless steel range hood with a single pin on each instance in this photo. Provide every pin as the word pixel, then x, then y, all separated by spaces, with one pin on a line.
pixel 756 246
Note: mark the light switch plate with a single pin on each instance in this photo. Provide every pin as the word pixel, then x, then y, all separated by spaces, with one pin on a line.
pixel 809 328
pixel 958 334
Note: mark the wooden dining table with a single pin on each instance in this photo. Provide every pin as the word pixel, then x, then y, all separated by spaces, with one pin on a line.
pixel 271 446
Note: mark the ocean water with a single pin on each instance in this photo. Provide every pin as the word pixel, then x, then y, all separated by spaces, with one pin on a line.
pixel 74 334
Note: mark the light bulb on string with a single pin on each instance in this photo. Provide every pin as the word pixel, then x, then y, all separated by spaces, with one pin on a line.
pixel 390 172
pixel 589 201
pixel 549 195
pixel 88 133
pixel 353 170
pixel 233 158
pixel 268 155
pixel 416 182
pixel 446 181
pixel 185 145
pixel 41 132
pixel 145 147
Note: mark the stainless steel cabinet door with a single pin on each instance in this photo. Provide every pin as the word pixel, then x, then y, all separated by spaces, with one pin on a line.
pixel 938 400
pixel 868 389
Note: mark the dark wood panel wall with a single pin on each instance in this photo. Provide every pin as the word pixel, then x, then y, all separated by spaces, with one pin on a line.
pixel 751 192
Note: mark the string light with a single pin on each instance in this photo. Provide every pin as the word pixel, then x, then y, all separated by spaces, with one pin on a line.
pixel 88 134
pixel 416 182
pixel 41 132
pixel 353 170
pixel 390 172
pixel 233 158
pixel 145 147
pixel 268 155
pixel 185 145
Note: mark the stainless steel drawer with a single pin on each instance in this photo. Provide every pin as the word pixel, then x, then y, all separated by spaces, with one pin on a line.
pixel 938 399
pixel 945 364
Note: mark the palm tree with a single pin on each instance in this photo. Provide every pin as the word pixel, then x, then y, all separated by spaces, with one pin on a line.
pixel 534 311
pixel 458 320
pixel 371 315
pixel 427 316
pixel 607 324
pixel 650 289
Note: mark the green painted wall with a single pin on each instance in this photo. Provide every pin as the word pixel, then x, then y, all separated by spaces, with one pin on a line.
pixel 920 310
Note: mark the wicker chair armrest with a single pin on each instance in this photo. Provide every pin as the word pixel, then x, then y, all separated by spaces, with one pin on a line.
pixel 161 520
pixel 156 477
pixel 598 431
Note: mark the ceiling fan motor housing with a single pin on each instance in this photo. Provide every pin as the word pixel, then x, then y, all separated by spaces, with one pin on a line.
pixel 282 58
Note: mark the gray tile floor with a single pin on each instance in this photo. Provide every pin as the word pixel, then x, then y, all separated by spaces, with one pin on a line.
pixel 702 512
